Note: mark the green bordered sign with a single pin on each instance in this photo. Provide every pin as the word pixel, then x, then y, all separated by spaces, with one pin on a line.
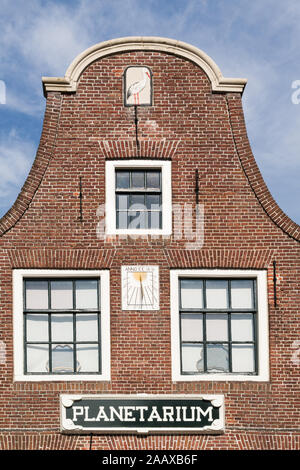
pixel 142 413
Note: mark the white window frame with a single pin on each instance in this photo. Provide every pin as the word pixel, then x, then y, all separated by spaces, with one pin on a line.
pixel 18 324
pixel 262 324
pixel 110 191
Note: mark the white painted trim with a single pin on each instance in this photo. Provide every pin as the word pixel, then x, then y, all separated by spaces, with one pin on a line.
pixel 263 327
pixel 18 327
pixel 69 82
pixel 110 191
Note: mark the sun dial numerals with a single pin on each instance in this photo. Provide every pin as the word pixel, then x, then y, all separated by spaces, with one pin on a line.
pixel 140 288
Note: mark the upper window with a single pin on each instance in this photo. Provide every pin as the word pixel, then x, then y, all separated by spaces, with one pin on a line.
pixel 219 323
pixel 138 197
pixel 64 322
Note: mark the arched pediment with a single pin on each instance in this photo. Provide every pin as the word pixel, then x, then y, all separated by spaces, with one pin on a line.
pixel 68 83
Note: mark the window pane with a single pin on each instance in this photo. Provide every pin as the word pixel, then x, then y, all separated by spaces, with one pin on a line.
pixel 61 294
pixel 216 294
pixel 191 327
pixel 154 219
pixel 122 220
pixel 138 179
pixel 242 326
pixel 191 293
pixel 216 327
pixel 87 327
pixel 122 201
pixel 62 358
pixel 153 179
pixel 37 358
pixel 217 358
pixel 192 358
pixel 153 201
pixel 36 295
pixel 86 294
pixel 242 293
pixel 88 357
pixel 138 220
pixel 137 202
pixel 122 179
pixel 37 327
pixel 62 327
pixel 242 358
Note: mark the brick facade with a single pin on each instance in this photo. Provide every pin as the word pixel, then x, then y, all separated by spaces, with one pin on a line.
pixel 244 228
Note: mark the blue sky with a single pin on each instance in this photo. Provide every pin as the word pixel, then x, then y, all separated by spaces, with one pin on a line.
pixel 255 39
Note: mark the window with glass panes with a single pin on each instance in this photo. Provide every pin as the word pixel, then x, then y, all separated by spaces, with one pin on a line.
pixel 62 326
pixel 138 199
pixel 218 326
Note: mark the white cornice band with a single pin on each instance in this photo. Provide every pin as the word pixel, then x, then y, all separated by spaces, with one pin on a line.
pixel 68 83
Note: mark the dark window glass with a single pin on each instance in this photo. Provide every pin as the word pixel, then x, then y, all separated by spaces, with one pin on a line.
pixel 137 179
pixel 137 202
pixel 153 179
pixel 138 199
pixel 62 331
pixel 122 179
pixel 218 326
pixel 153 201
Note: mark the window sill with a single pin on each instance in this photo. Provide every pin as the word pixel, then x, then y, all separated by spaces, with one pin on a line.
pixel 138 232
pixel 61 378
pixel 220 378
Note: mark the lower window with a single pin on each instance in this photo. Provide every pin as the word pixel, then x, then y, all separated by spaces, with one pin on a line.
pixel 219 325
pixel 64 320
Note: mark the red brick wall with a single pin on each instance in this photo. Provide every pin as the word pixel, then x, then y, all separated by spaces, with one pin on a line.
pixel 244 228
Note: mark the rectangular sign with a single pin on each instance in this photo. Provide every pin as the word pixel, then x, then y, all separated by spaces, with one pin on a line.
pixel 142 413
